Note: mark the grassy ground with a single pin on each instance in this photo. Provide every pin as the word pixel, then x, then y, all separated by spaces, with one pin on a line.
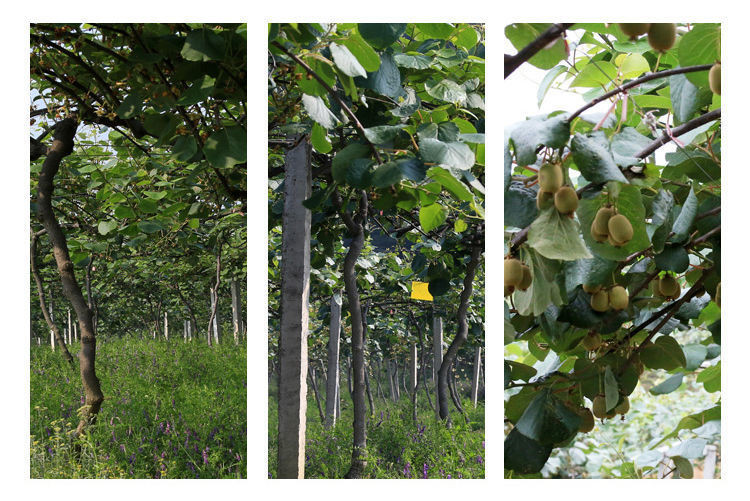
pixel 171 410
pixel 396 447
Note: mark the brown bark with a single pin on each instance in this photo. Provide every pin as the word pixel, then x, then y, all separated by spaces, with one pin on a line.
pixel 461 335
pixel 62 145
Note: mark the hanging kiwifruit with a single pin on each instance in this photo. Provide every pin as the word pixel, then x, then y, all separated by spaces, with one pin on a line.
pixel 599 407
pixel 591 341
pixel 661 36
pixel 600 301
pixel 566 200
pixel 634 30
pixel 620 228
pixel 544 199
pixel 526 281
pixel 513 272
pixel 717 296
pixel 599 237
pixel 601 220
pixel 714 78
pixel 587 420
pixel 618 298
pixel 623 407
pixel 591 289
pixel 669 287
pixel 550 178
pixel 613 242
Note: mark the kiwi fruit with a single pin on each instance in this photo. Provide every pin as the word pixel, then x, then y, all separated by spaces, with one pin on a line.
pixel 599 237
pixel 669 287
pixel 613 242
pixel 620 228
pixel 513 272
pixel 591 289
pixel 623 407
pixel 611 413
pixel 599 407
pixel 544 200
pixel 592 341
pixel 526 281
pixel 601 220
pixel 566 200
pixel 587 420
pixel 600 301
pixel 717 296
pixel 618 298
pixel 714 78
pixel 550 178
pixel 634 30
pixel 661 36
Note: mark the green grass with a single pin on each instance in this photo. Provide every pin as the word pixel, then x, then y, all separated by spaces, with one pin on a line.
pixel 171 410
pixel 396 447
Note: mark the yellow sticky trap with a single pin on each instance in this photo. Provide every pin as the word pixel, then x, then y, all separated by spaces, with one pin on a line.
pixel 420 290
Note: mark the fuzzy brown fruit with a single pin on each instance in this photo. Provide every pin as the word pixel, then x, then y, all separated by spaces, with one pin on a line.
pixel 566 200
pixel 717 296
pixel 601 220
pixel 544 200
pixel 661 36
pixel 714 78
pixel 591 289
pixel 550 178
pixel 634 30
pixel 513 272
pixel 599 407
pixel 618 298
pixel 600 301
pixel 620 228
pixel 592 341
pixel 587 420
pixel 526 281
pixel 623 407
pixel 669 286
pixel 613 242
pixel 599 237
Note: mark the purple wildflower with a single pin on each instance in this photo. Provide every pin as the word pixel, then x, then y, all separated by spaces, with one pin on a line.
pixel 205 455
pixel 424 470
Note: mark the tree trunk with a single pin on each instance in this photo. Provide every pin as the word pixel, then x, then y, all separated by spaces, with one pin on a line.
pixel 377 379
pixel 166 327
pixel 461 335
pixel 475 378
pixel 364 347
pixel 62 146
pixel 332 379
pixel 295 291
pixel 437 357
pixel 89 295
pixel 413 381
pixel 235 310
pixel 389 372
pixel 213 320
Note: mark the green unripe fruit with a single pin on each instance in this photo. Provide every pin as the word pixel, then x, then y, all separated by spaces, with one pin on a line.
pixel 591 289
pixel 599 237
pixel 634 30
pixel 669 286
pixel 623 407
pixel 661 36
pixel 550 178
pixel 600 301
pixel 592 341
pixel 587 420
pixel 601 220
pixel 599 408
pixel 717 296
pixel 566 200
pixel 714 78
pixel 513 272
pixel 620 228
pixel 526 281
pixel 618 298
pixel 544 200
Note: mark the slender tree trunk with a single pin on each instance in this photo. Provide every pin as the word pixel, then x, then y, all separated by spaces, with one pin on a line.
pixel 389 372
pixel 377 379
pixel 311 374
pixel 413 381
pixel 369 392
pixel 295 291
pixel 437 357
pixel 62 145
pixel 454 393
pixel 364 347
pixel 332 379
pixel 166 327
pixel 191 312
pixel 461 334
pixel 235 310
pixel 475 378
pixel 213 319
pixel 89 295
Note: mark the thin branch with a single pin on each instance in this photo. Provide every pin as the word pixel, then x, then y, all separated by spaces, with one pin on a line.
pixel 513 62
pixel 678 131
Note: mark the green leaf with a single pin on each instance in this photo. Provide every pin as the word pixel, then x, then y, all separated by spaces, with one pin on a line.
pixel 593 157
pixel 691 422
pixel 459 226
pixel 386 175
pixel 686 98
pixel 547 82
pixel 684 221
pixel 412 60
pixel 382 134
pixel 130 106
pixel 544 289
pixel 432 216
pixel 547 420
pixel 319 139
pixel 524 455
pixel 446 90
pixel 684 466
pixel 386 81
pixel 318 111
pixel 381 35
pixel 522 34
pixel 155 195
pixel 695 354
pixel 450 183
pixel 466 36
pixel 626 144
pixel 184 148
pixel 346 61
pixel 691 449
pixel 528 135
pixel 664 353
pixel 122 212
pixel 711 378
pixel 520 205
pixel 455 154
pixel 556 236
pixel 150 226
pixel 672 258
pixel 203 45
pixel 611 391
pixel 359 173
pixel 198 91
pixel 345 157
pixel 633 66
pixel 226 147
pixel 442 31
pixel 595 74
pixel 668 385
pixel 439 286
pixel 107 226
pixel 365 54
pixel 701 45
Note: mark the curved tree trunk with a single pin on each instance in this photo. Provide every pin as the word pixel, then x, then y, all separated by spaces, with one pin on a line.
pixel 461 334
pixel 62 145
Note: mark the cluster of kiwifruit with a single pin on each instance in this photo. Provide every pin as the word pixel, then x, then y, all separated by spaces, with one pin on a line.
pixel 599 407
pixel 612 227
pixel 615 297
pixel 661 36
pixel 517 276
pixel 552 191
pixel 667 287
